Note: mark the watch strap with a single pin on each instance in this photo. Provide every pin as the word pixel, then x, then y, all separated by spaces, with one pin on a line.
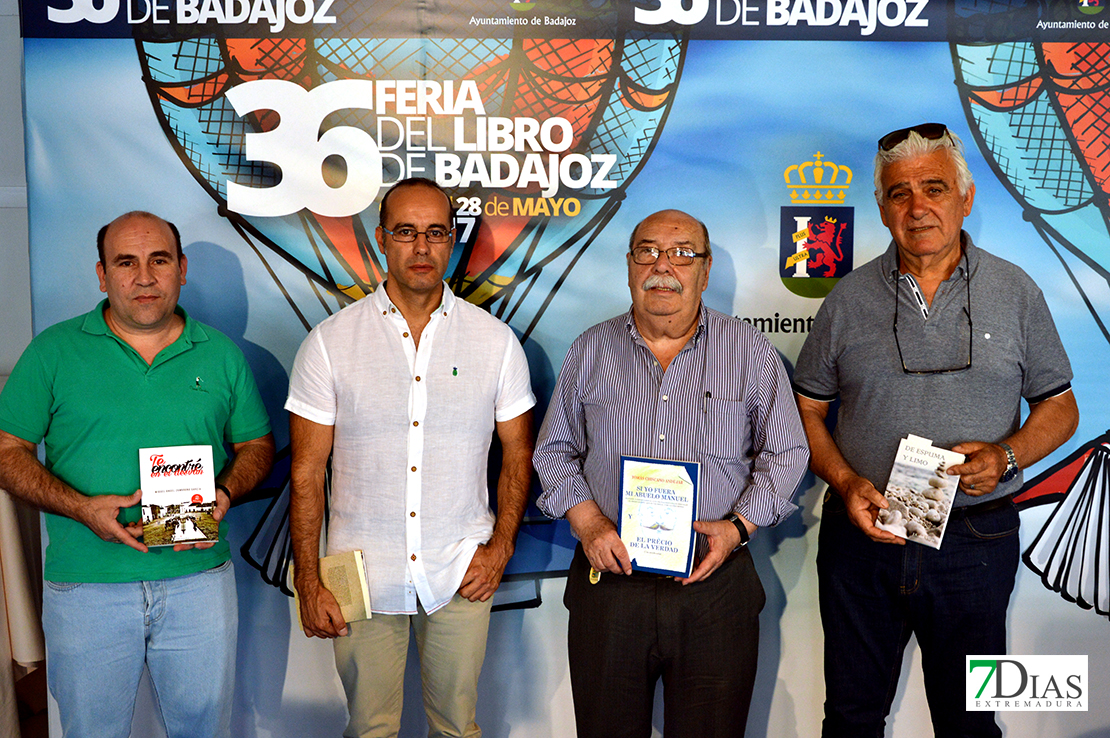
pixel 1011 463
pixel 743 529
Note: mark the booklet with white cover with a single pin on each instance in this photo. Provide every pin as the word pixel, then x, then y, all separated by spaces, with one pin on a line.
pixel 920 491
pixel 179 495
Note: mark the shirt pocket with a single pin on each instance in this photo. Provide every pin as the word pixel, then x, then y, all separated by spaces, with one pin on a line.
pixel 996 350
pixel 726 430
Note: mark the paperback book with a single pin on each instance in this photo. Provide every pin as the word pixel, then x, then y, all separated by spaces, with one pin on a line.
pixel 920 492
pixel 344 574
pixel 179 495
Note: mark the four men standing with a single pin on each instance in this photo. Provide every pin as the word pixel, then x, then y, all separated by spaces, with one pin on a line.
pixel 402 393
pixel 971 337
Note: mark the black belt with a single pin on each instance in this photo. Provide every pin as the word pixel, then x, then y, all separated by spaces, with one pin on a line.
pixel 983 507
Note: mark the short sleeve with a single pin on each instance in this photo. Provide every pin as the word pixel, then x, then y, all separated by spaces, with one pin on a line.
pixel 27 398
pixel 815 374
pixel 514 387
pixel 312 384
pixel 1047 368
pixel 249 419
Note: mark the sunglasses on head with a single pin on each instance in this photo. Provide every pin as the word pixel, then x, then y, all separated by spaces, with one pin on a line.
pixel 931 131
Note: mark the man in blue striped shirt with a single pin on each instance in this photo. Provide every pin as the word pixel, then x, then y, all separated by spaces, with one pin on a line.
pixel 671 379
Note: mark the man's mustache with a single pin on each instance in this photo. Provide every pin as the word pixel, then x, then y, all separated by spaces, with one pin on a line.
pixel 665 281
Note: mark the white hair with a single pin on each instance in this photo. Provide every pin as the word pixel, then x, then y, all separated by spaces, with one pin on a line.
pixel 917 145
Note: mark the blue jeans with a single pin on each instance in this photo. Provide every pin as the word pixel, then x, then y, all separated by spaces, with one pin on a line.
pixel 99 637
pixel 874 595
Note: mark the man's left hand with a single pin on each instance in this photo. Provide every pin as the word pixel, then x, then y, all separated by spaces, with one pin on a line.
pixel 984 466
pixel 483 576
pixel 223 502
pixel 723 538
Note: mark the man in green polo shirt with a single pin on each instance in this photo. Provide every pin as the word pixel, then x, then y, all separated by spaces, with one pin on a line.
pixel 136 372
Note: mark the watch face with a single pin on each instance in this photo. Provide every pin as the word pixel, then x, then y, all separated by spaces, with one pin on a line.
pixel 1008 474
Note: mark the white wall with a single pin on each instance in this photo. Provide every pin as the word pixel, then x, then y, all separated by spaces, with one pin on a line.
pixel 15 283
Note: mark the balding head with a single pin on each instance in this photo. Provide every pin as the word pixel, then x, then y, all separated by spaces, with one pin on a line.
pixel 102 234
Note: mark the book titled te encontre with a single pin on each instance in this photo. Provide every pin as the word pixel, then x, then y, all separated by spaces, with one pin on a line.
pixel 179 495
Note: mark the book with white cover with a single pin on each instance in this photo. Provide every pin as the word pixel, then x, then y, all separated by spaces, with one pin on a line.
pixel 920 492
pixel 179 495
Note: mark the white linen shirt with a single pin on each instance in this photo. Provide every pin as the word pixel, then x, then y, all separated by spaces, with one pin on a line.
pixel 412 436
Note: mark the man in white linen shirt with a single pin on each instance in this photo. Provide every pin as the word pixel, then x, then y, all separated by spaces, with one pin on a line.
pixel 404 391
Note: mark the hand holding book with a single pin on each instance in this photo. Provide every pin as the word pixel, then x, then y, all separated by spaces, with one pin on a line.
pixel 864 504
pixel 338 595
pixel 223 504
pixel 984 466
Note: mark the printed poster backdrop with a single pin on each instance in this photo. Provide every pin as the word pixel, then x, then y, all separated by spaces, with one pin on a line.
pixel 267 130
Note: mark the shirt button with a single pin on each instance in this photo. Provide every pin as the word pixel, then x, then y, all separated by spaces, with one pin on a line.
pixel 418 379
pixel 405 334
pixel 412 514
pixel 384 312
pixel 413 557
pixel 414 468
pixel 661 437
pixel 664 398
pixel 415 423
pixel 393 310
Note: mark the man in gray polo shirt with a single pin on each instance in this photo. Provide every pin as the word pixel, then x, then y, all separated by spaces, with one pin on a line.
pixel 971 337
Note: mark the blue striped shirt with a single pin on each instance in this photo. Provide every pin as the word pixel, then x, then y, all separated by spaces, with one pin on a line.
pixel 724 401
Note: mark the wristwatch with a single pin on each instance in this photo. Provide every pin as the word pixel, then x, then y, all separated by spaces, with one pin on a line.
pixel 1011 464
pixel 735 520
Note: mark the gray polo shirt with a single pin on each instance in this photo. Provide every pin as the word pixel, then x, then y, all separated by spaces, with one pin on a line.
pixel 852 353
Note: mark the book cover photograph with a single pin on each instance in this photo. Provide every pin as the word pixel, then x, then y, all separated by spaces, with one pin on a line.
pixel 179 495
pixel 920 492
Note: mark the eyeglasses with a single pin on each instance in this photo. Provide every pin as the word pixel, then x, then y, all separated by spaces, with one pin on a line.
pixel 967 312
pixel 678 256
pixel 931 131
pixel 405 234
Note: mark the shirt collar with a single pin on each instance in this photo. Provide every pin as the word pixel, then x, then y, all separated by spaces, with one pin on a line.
pixel 96 325
pixel 380 299
pixel 634 332
pixel 889 260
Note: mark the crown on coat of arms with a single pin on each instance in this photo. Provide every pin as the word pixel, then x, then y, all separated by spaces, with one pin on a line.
pixel 817 182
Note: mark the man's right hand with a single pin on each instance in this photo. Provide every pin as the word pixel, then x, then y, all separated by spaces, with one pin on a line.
pixel 600 541
pixel 100 514
pixel 320 613
pixel 863 503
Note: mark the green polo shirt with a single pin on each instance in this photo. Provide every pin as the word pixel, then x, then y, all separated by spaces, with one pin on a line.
pixel 94 402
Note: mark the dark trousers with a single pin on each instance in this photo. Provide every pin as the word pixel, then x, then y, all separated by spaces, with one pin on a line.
pixel 627 632
pixel 874 595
